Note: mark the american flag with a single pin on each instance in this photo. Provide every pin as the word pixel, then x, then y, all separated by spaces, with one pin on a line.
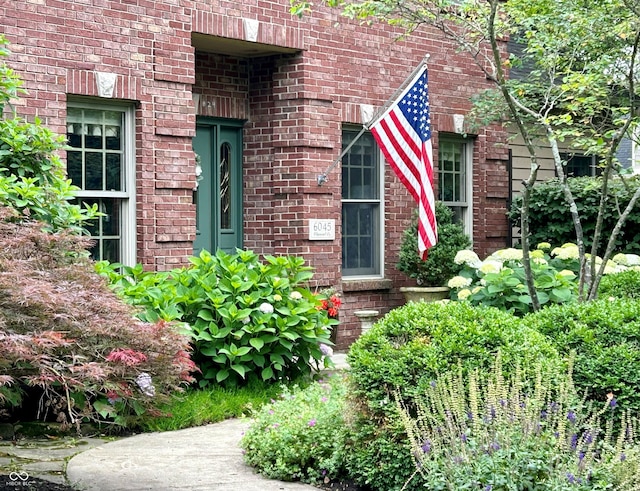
pixel 403 132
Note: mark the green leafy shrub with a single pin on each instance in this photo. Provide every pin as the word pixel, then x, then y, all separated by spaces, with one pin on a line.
pixel 625 284
pixel 550 218
pixel 300 436
pixel 407 350
pixel 605 335
pixel 485 432
pixel 247 319
pixel 412 344
pixel 69 343
pixel 32 177
pixel 499 280
pixel 439 265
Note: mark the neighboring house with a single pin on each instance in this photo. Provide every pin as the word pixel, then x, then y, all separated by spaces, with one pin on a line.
pixel 267 101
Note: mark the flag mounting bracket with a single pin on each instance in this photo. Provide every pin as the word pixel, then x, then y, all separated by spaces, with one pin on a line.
pixel 324 177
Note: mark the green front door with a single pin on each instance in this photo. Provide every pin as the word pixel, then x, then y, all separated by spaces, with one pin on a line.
pixel 219 195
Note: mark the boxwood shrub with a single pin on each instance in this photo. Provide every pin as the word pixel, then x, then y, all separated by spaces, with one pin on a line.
pixel 605 336
pixel 625 284
pixel 405 351
pixel 411 345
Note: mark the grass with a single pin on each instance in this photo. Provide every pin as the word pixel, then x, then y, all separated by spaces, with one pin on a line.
pixel 197 407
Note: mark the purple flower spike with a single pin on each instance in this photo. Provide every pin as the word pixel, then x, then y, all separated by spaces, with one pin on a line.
pixel 426 448
pixel 571 416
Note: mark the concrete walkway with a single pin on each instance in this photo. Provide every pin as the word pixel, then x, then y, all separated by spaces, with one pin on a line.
pixel 202 458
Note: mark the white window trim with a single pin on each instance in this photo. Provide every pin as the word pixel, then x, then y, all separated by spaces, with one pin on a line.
pixel 128 196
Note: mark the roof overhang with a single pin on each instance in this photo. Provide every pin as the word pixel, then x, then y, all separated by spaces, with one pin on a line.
pixel 236 47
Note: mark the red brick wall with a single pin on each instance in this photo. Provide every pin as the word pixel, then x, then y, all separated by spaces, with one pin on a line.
pixel 294 105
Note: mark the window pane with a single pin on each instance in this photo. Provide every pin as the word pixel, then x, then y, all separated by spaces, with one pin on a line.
pixel 361 193
pixel 93 167
pixel 360 168
pixel 360 242
pixel 225 186
pixel 114 172
pixel 74 168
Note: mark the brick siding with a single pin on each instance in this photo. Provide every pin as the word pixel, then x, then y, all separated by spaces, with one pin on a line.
pixel 294 99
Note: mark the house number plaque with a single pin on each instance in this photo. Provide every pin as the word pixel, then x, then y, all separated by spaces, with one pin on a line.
pixel 322 229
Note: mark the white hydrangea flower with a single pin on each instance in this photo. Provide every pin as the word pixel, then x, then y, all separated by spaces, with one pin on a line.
pixel 146 384
pixel 509 254
pixel 464 294
pixel 543 246
pixel 540 260
pixel 537 253
pixel 490 266
pixel 266 308
pixel 459 282
pixel 567 273
pixel 567 251
pixel 295 295
pixel 326 349
pixel 467 257
pixel 476 289
pixel 620 258
pixel 633 260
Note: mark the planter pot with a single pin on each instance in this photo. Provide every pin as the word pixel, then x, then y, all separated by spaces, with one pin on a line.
pixel 425 293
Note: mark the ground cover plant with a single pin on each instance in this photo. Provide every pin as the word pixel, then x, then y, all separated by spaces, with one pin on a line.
pixel 201 406
pixel 300 435
pixel 248 319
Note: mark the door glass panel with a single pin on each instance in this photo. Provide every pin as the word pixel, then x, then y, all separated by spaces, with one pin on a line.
pixel 225 186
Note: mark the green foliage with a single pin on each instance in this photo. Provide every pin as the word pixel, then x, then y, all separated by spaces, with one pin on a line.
pixel 439 265
pixel 412 344
pixel 197 407
pixel 485 432
pixel 301 436
pixel 605 337
pixel 32 177
pixel 499 280
pixel 70 343
pixel 247 319
pixel 407 350
pixel 625 284
pixel 550 218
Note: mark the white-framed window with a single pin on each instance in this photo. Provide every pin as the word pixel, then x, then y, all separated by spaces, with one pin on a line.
pixel 101 162
pixel 362 206
pixel 455 157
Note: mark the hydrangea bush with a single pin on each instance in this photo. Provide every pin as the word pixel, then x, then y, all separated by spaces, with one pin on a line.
pixel 499 279
pixel 248 319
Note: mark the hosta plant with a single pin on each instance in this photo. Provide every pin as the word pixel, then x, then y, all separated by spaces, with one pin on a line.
pixel 248 319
